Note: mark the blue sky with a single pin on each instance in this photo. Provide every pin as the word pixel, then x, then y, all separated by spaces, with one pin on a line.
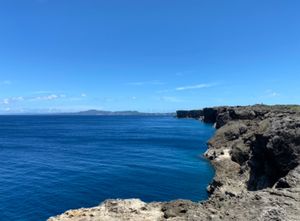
pixel 147 55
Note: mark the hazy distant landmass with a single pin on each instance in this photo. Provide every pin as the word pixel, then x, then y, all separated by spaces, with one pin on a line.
pixel 96 113
pixel 119 113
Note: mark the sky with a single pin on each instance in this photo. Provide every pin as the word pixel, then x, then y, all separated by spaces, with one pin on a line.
pixel 147 55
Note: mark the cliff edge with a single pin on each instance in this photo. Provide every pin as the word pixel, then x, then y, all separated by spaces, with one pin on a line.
pixel 256 155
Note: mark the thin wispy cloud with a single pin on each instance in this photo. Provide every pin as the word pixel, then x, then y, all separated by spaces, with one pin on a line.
pixel 188 87
pixel 274 94
pixel 8 101
pixel 81 97
pixel 193 87
pixel 48 97
pixel 46 92
pixel 12 100
pixel 271 93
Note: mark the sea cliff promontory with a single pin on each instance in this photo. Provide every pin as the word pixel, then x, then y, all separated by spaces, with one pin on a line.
pixel 256 155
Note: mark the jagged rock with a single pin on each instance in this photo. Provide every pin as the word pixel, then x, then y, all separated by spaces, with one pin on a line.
pixel 197 114
pixel 256 155
pixel 115 210
pixel 210 115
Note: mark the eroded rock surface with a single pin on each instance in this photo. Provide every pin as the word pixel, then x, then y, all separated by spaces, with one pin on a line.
pixel 256 154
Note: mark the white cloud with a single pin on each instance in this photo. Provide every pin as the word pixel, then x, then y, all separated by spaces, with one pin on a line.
pixel 49 97
pixel 52 97
pixel 274 94
pixel 271 93
pixel 83 95
pixel 44 92
pixel 6 101
pixel 10 100
pixel 189 87
pixel 192 87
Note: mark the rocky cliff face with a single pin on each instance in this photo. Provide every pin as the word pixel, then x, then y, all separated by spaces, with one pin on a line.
pixel 256 154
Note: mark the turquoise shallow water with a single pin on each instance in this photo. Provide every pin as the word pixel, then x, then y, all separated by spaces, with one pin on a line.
pixel 50 164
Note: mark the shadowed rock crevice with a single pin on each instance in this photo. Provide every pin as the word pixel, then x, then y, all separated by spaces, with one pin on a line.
pixel 267 166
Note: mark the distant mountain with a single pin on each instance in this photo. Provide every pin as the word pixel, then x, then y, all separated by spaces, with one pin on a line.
pixel 119 113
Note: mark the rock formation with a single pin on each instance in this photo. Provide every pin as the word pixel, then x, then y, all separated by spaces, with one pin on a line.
pixel 197 114
pixel 256 155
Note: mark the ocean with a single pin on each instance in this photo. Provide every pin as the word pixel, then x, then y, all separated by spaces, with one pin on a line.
pixel 50 164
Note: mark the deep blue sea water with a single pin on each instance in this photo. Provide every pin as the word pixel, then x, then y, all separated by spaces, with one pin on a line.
pixel 50 164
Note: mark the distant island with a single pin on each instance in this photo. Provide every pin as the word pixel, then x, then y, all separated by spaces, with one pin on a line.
pixel 116 113
pixel 96 113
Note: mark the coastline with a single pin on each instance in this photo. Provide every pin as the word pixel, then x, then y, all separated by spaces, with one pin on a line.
pixel 255 152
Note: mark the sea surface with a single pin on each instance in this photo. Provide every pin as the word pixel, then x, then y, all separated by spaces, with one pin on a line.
pixel 50 164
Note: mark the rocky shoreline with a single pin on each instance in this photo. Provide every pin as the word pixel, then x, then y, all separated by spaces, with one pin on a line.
pixel 256 155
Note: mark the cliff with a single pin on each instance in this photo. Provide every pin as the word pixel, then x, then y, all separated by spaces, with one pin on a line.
pixel 256 155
